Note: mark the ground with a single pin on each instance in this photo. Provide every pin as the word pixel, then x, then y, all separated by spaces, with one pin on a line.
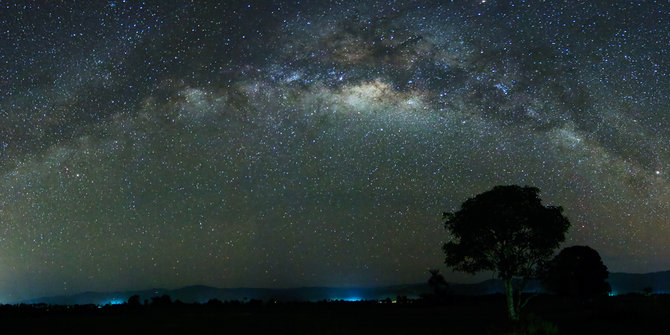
pixel 631 314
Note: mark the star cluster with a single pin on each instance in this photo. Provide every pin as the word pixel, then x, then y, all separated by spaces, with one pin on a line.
pixel 289 143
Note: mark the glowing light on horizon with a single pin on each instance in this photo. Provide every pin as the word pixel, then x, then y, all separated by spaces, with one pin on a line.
pixel 113 302
pixel 351 299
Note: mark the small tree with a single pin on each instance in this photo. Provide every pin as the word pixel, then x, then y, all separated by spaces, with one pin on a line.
pixel 437 282
pixel 134 301
pixel 161 301
pixel 439 286
pixel 506 230
pixel 577 271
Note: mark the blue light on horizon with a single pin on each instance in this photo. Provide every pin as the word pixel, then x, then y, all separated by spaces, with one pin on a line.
pixel 113 302
pixel 349 299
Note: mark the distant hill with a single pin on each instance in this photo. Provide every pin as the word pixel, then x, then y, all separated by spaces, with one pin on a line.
pixel 621 283
pixel 634 282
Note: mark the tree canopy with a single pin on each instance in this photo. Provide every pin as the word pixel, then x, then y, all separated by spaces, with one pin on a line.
pixel 506 230
pixel 577 271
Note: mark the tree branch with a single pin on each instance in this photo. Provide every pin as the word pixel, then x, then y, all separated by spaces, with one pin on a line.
pixel 527 299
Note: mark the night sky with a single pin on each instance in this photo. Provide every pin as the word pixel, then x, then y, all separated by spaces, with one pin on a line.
pixel 317 143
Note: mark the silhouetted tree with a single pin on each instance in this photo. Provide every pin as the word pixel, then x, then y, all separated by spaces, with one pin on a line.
pixel 577 271
pixel 402 299
pixel 161 301
pixel 134 301
pixel 506 230
pixel 439 286
pixel 214 302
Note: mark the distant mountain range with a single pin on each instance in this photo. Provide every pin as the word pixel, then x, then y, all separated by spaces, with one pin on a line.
pixel 621 283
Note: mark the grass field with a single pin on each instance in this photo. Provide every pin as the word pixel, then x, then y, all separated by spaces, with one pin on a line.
pixel 632 314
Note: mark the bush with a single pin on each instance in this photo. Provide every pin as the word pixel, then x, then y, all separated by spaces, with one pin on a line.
pixel 533 325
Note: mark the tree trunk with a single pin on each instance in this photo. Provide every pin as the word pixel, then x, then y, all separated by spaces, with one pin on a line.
pixel 509 294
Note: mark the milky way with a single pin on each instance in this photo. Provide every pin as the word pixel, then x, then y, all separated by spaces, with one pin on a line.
pixel 317 143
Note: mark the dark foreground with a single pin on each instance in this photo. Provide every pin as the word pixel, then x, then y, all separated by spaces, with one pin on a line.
pixel 631 314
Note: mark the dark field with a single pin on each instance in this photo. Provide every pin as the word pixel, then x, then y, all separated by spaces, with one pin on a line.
pixel 630 314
